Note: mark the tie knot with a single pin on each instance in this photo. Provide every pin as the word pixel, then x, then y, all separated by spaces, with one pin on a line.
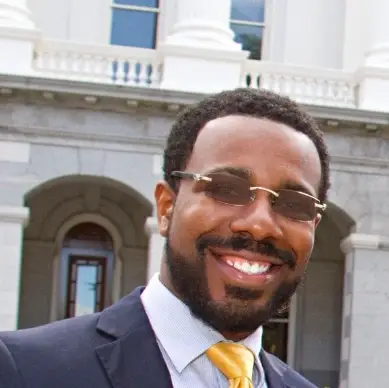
pixel 233 360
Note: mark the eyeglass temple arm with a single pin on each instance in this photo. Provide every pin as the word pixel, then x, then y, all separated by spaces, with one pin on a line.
pixel 188 175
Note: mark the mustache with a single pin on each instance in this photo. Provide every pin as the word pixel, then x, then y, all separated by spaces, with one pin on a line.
pixel 238 243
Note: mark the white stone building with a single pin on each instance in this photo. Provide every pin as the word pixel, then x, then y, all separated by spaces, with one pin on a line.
pixel 88 91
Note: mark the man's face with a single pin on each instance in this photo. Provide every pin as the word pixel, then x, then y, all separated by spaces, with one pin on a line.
pixel 210 244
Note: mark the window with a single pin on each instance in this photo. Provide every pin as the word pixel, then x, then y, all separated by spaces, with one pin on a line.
pixel 275 336
pixel 248 23
pixel 87 265
pixel 134 23
pixel 86 281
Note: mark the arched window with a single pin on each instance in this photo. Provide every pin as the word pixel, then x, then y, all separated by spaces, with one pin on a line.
pixel 134 23
pixel 87 265
pixel 248 23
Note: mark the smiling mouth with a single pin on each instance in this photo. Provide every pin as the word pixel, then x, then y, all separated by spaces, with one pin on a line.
pixel 248 267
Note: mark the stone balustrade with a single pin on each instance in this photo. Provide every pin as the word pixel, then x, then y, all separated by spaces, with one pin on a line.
pixel 304 85
pixel 94 63
pixel 130 66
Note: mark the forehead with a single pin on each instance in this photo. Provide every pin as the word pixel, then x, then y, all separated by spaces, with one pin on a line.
pixel 273 152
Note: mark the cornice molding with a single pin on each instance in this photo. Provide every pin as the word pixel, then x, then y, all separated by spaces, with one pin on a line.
pixel 126 93
pixel 41 135
pixel 100 96
pixel 362 165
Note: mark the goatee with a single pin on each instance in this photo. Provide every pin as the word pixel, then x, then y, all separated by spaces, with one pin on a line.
pixel 235 314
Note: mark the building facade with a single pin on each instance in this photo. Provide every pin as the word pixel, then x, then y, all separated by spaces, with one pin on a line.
pixel 88 92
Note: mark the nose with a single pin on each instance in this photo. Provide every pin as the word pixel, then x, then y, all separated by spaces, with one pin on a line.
pixel 257 219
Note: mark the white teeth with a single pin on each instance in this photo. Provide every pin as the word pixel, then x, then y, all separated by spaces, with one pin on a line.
pixel 251 269
pixel 246 267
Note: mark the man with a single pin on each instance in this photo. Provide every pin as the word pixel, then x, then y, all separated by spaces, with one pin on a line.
pixel 245 180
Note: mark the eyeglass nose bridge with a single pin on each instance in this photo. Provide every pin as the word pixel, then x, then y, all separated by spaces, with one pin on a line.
pixel 254 189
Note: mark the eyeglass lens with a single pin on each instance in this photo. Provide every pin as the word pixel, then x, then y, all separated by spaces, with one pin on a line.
pixel 233 190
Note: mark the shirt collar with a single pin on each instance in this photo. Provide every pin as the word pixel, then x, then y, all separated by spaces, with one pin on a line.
pixel 171 320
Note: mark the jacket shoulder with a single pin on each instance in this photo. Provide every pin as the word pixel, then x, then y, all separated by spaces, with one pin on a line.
pixel 9 374
pixel 54 348
pixel 292 378
pixel 68 332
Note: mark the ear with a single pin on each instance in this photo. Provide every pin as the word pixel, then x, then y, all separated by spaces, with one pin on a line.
pixel 317 220
pixel 164 199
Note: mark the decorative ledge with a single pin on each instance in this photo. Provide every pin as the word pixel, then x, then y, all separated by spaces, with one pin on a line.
pixel 151 226
pixel 364 241
pixel 14 214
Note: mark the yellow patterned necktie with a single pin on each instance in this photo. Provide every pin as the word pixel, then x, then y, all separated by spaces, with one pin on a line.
pixel 235 361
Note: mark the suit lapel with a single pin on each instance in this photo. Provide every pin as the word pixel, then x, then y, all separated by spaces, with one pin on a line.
pixel 274 372
pixel 133 358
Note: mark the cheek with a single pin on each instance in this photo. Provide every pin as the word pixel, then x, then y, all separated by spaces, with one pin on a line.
pixel 193 215
pixel 301 237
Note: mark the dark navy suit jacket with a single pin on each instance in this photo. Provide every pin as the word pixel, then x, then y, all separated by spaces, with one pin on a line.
pixel 112 349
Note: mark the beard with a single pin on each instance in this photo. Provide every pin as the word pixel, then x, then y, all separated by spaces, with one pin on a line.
pixel 236 314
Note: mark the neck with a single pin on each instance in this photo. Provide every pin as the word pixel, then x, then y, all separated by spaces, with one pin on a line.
pixel 235 337
pixel 164 278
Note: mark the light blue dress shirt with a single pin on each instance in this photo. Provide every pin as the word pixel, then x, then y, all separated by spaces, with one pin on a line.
pixel 183 339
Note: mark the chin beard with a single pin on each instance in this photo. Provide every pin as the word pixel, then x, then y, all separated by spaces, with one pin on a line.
pixel 236 314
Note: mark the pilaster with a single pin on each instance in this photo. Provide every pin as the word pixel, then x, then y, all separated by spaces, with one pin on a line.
pixel 12 222
pixel 156 247
pixel 365 313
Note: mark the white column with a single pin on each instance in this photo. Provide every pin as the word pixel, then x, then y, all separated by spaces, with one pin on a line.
pixel 14 13
pixel 156 247
pixel 373 76
pixel 12 221
pixel 200 55
pixel 365 312
pixel 203 23
pixel 378 53
pixel 17 37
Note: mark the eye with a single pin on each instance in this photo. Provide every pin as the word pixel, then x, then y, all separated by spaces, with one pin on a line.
pixel 295 205
pixel 290 204
pixel 227 189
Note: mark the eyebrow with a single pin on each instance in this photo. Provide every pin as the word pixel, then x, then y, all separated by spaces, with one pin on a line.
pixel 241 172
pixel 290 185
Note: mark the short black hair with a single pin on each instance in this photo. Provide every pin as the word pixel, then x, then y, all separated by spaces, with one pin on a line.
pixel 242 101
